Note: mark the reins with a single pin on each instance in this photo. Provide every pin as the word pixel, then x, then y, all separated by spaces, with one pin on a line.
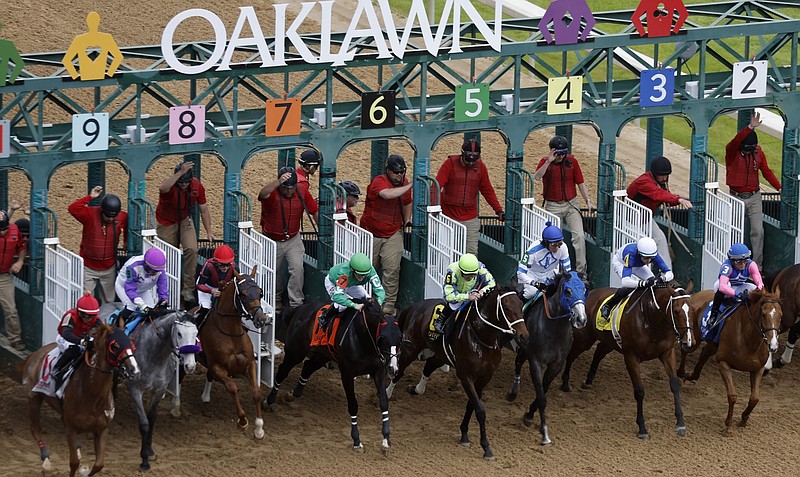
pixel 763 331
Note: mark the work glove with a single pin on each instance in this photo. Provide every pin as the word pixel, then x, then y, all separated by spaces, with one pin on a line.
pixel 540 285
pixel 501 215
pixel 743 295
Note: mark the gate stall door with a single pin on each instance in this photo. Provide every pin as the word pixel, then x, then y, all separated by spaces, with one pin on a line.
pixel 258 250
pixel 724 226
pixel 447 241
pixel 533 220
pixel 174 264
pixel 63 286
pixel 349 239
pixel 631 222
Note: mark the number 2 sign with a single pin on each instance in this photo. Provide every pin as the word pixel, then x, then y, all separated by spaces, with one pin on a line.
pixel 749 79
pixel 565 95
pixel 5 138
pixel 89 132
pixel 187 124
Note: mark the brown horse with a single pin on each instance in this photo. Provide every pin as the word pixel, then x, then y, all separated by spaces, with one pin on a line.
pixel 697 304
pixel 787 283
pixel 650 323
pixel 227 350
pixel 474 350
pixel 747 338
pixel 88 405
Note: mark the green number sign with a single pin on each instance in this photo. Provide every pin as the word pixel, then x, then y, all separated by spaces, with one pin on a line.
pixel 472 102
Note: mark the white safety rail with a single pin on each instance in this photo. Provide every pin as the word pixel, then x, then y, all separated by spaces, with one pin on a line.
pixel 258 250
pixel 348 239
pixel 174 264
pixel 63 285
pixel 447 241
pixel 724 226
pixel 632 221
pixel 533 220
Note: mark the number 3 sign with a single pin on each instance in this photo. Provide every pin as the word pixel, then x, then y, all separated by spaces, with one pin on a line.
pixel 377 109
pixel 89 132
pixel 749 79
pixel 657 87
pixel 187 124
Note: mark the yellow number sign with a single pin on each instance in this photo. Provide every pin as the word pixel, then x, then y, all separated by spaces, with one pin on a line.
pixel 564 95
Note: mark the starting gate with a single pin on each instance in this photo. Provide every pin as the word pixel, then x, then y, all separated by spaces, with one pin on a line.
pixel 724 226
pixel 632 221
pixel 447 241
pixel 533 220
pixel 63 286
pixel 174 264
pixel 348 239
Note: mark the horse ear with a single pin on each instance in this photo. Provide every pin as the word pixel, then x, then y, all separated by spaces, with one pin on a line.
pixel 689 286
pixel 253 271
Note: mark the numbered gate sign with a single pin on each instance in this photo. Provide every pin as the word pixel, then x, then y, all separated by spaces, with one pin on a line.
pixel 5 138
pixel 377 109
pixel 283 117
pixel 472 102
pixel 187 124
pixel 657 87
pixel 89 132
pixel 749 79
pixel 565 95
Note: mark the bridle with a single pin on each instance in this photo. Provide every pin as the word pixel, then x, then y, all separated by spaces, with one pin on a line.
pixel 564 303
pixel 242 286
pixel 760 325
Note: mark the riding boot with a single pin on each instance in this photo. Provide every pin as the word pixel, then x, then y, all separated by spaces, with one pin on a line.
pixel 326 317
pixel 605 311
pixel 202 313
pixel 441 320
pixel 122 318
pixel 61 366
pixel 712 317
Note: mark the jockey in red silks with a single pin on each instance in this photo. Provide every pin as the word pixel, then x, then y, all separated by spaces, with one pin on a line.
pixel 73 334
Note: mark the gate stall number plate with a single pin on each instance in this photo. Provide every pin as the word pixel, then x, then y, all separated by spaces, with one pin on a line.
pixel 749 79
pixel 657 87
pixel 283 117
pixel 472 102
pixel 89 132
pixel 377 109
pixel 565 95
pixel 5 138
pixel 187 124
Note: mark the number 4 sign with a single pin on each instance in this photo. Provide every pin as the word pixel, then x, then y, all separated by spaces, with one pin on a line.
pixel 5 139
pixel 187 124
pixel 89 132
pixel 749 79
pixel 565 95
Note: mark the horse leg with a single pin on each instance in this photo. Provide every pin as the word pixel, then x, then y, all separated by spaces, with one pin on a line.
pixel 786 357
pixel 221 375
pixel 579 344
pixel 480 416
pixel 681 373
pixel 206 396
pixel 549 375
pixel 74 458
pixel 383 400
pixel 147 445
pixel 599 353
pixel 352 407
pixel 99 451
pixel 633 364
pixel 431 364
pixel 727 379
pixel 755 389
pixel 518 362
pixel 290 360
pixel 709 350
pixel 539 402
pixel 668 358
pixel 144 423
pixel 255 386
pixel 311 365
pixel 34 414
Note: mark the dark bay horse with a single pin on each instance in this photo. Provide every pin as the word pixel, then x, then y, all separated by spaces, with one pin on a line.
pixel 87 405
pixel 474 350
pixel 651 321
pixel 747 338
pixel 550 321
pixel 365 342
pixel 787 283
pixel 227 350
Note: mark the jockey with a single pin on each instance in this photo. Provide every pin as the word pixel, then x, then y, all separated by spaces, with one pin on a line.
pixel 540 263
pixel 632 263
pixel 73 334
pixel 466 281
pixel 346 281
pixel 142 281
pixel 738 276
pixel 215 273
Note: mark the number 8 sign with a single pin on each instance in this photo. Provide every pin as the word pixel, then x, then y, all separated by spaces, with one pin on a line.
pixel 5 138
pixel 89 132
pixel 187 124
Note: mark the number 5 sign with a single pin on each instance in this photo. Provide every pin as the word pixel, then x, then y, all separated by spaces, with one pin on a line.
pixel 89 132
pixel 377 109
pixel 565 95
pixel 187 124
pixel 5 138
pixel 749 79
pixel 472 102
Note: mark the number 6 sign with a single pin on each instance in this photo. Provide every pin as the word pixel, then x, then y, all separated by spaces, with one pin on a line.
pixel 89 132
pixel 187 124
pixel 377 109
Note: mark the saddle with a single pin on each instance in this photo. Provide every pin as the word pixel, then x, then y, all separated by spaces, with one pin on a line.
pixel 616 314
pixel 133 321
pixel 326 324
pixel 449 325
pixel 726 308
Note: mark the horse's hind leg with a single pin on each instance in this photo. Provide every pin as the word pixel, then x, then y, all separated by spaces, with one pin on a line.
pixel 99 451
pixel 311 365
pixel 518 362
pixel 34 414
pixel 431 364
pixel 634 370
pixel 383 400
pixel 730 387
pixel 599 353
pixel 352 407
pixel 668 358
pixel 786 357
pixel 755 389
pixel 290 360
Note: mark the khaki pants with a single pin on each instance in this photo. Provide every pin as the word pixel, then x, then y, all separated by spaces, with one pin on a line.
pixel 106 278
pixel 188 240
pixel 290 253
pixel 13 331
pixel 473 232
pixel 755 214
pixel 387 253
pixel 569 213
pixel 661 242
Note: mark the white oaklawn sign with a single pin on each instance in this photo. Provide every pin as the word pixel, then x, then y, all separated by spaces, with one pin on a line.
pixel 381 28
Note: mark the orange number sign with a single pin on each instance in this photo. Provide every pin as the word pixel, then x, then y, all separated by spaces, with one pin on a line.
pixel 283 117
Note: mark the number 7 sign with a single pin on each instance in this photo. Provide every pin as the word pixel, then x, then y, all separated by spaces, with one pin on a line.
pixel 5 138
pixel 283 117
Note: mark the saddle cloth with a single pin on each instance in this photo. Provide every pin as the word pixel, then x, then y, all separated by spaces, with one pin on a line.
pixel 46 385
pixel 712 334
pixel 437 310
pixel 131 325
pixel 615 317
pixel 320 337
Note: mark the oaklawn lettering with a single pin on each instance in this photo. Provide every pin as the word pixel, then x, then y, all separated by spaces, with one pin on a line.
pixel 381 28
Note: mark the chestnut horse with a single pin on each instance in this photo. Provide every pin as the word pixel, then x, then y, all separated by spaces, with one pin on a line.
pixel 227 350
pixel 651 320
pixel 365 342
pixel 88 405
pixel 787 283
pixel 473 348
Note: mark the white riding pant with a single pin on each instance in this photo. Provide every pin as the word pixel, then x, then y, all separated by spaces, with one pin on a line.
pixel 353 292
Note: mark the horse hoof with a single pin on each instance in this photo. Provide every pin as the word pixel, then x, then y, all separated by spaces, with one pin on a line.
pixel 259 434
pixel 766 372
pixel 144 466
pixel 586 386
pixel 546 442
pixel 778 363
pixel 289 397
pixel 466 444
pixel 46 465
pixel 528 421
pixel 643 436
pixel 385 451
pixel 243 423
pixel 84 471
pixel 175 412
pixel 565 387
pixel 488 457
pixel 680 431
pixel 511 397
pixel 412 390
pixel 359 448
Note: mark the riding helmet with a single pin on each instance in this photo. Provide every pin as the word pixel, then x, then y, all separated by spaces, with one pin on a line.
pixel 309 157
pixel 558 143
pixel 471 151
pixel 187 176
pixel 224 254
pixel 3 220
pixel 360 263
pixel 551 233
pixel 468 263
pixel 661 166
pixel 738 251
pixel 396 163
pixel 647 247
pixel 88 304
pixel 110 205
pixel 155 259
pixel 290 183
pixel 351 188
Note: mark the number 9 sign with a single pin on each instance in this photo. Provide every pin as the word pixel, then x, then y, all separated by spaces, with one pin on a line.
pixel 89 132
pixel 377 109
pixel 657 87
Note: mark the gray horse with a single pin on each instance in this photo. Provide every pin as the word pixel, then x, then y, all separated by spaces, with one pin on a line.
pixel 162 343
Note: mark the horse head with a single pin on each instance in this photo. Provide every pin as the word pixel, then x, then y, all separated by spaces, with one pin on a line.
pixel 679 311
pixel 770 314
pixel 389 340
pixel 572 297
pixel 184 340
pixel 507 308
pixel 248 297
pixel 114 347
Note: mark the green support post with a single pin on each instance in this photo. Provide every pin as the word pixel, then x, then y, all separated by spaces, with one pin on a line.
pixel 95 176
pixel 566 131
pixel 36 243
pixel 697 181
pixel 655 140
pixel 379 153
pixel 606 183
pixel 4 188
pixel 231 210
pixel 195 211
pixel 789 182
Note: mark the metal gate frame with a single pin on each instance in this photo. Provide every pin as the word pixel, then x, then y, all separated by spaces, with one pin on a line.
pixel 533 220
pixel 724 225
pixel 349 239
pixel 63 285
pixel 447 241
pixel 632 221
pixel 174 264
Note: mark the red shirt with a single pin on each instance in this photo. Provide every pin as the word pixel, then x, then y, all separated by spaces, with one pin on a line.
pixel 11 244
pixel 742 175
pixel 303 183
pixel 99 240
pixel 646 191
pixel 460 186
pixel 281 217
pixel 560 179
pixel 175 204
pixel 383 217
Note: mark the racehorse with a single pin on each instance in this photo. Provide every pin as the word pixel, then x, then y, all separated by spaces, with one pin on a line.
pixel 87 405
pixel 787 283
pixel 650 323
pixel 227 350
pixel 363 343
pixel 697 304
pixel 550 321
pixel 748 336
pixel 473 348
pixel 162 344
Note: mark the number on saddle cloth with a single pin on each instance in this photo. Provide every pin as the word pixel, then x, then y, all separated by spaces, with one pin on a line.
pixel 726 308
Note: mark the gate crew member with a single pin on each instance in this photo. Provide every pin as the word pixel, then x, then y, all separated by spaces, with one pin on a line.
pixel 309 163
pixel 102 228
pixel 142 283
pixel 345 283
pixel 11 245
pixel 462 177
pixel 177 194
pixel 386 209
pixel 282 209
pixel 467 280
pixel 651 189
pixel 539 265
pixel 738 276
pixel 632 263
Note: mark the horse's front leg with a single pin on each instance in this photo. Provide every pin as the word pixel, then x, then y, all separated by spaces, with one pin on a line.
pixel 221 375
pixel 480 415
pixel 74 456
pixel 634 370
pixel 99 451
pixel 431 364
pixel 668 358
pixel 290 360
pixel 599 353
pixel 539 402
pixel 522 355
pixel 255 386
pixel 147 444
pixel 144 424
pixel 352 407
pixel 755 389
pixel 312 364
pixel 383 401
pixel 730 388
pixel 681 373
pixel 34 414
